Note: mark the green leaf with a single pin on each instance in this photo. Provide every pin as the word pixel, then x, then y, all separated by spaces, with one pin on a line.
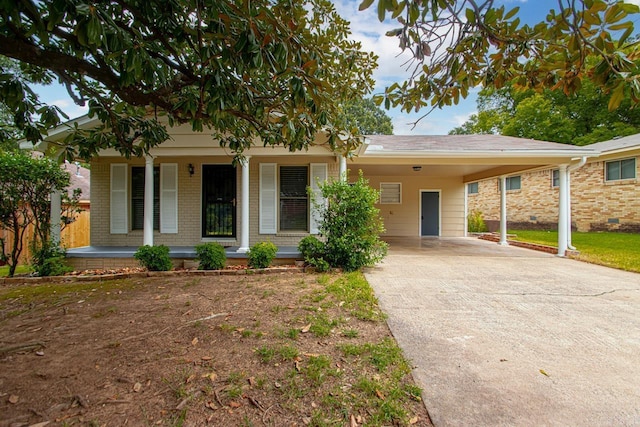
pixel 382 9
pixel 365 5
pixel 471 16
pixel 617 95
pixel 511 13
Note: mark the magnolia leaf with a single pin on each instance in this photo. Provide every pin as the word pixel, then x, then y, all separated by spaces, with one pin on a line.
pixel 365 4
pixel 617 95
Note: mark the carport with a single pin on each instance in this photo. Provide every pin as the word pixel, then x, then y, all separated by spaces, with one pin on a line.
pixel 500 335
pixel 423 179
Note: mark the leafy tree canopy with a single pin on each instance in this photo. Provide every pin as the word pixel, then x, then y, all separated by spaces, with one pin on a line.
pixel 582 118
pixel 274 70
pixel 364 117
pixel 460 44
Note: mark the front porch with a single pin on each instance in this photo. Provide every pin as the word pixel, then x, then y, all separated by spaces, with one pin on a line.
pixel 111 257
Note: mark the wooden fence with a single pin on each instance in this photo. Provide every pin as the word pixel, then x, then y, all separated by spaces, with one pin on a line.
pixel 74 235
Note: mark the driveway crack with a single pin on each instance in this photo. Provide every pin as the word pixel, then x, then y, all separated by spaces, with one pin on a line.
pixel 569 295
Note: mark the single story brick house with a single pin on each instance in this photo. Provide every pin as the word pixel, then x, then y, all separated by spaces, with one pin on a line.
pixel 187 191
pixel 605 192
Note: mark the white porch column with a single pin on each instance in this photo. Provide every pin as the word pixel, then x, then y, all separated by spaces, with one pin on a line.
pixel 148 201
pixel 343 168
pixel 503 211
pixel 562 211
pixel 244 214
pixel 54 220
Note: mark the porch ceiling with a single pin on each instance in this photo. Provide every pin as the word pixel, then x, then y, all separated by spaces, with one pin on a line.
pixel 468 172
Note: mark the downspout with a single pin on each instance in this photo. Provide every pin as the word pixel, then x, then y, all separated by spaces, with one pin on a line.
pixel 570 169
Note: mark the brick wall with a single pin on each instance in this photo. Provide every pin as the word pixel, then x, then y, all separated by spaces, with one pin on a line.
pixel 595 204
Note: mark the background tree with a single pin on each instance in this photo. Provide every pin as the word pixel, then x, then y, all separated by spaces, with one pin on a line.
pixel 264 71
pixel 364 117
pixel 581 118
pixel 25 188
pixel 460 44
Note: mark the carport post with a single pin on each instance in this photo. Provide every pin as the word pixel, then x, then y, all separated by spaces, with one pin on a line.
pixel 503 211
pixel 563 204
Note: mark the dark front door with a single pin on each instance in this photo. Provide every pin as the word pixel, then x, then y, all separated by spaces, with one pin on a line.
pixel 218 201
pixel 430 209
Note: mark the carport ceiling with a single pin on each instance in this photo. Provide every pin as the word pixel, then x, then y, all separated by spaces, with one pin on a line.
pixel 434 171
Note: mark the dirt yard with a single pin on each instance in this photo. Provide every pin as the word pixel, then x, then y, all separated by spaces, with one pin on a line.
pixel 285 349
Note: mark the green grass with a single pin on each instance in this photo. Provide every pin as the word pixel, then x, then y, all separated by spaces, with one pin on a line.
pixel 20 269
pixel 617 250
pixel 53 292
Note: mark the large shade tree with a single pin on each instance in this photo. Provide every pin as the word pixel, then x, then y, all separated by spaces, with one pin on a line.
pixel 363 117
pixel 581 118
pixel 273 71
pixel 457 45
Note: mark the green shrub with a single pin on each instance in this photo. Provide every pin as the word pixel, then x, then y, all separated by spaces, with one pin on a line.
pixel 261 254
pixel 48 260
pixel 475 222
pixel 211 256
pixel 351 224
pixel 311 247
pixel 154 258
pixel 320 264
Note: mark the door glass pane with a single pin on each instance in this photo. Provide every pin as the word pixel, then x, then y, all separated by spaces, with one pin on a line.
pixel 218 201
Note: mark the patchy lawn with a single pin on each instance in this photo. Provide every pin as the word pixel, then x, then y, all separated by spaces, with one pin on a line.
pixel 617 250
pixel 287 349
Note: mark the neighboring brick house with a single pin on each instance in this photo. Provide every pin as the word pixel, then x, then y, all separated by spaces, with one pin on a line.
pixel 605 193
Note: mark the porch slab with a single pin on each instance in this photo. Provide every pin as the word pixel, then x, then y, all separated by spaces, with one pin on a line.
pixel 113 257
pixel 186 252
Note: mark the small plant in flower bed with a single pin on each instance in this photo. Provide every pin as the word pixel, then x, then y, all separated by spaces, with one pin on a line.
pixel 262 254
pixel 312 249
pixel 154 258
pixel 211 256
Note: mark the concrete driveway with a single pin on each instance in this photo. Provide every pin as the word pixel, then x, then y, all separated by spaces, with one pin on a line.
pixel 510 336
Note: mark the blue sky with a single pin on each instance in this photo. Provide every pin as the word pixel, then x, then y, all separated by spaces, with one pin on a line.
pixel 371 33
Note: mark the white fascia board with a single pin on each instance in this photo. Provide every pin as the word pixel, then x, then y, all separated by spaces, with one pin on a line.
pixel 480 154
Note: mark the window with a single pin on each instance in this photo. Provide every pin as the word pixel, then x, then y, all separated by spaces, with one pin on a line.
pixel 513 183
pixel 294 200
pixel 390 193
pixel 137 198
pixel 621 169
pixel 472 188
pixel 555 178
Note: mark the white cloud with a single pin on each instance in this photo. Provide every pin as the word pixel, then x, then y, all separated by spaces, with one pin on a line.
pixel 70 108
